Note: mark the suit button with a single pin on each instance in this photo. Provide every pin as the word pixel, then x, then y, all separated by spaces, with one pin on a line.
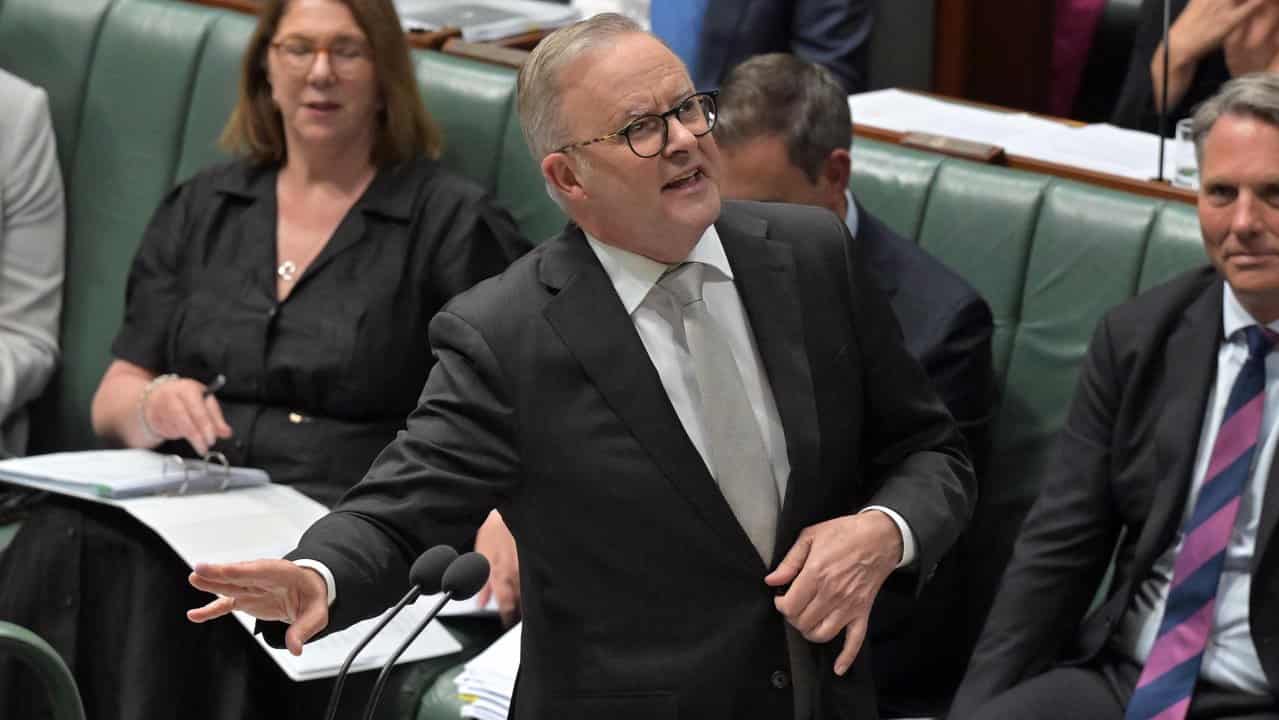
pixel 779 679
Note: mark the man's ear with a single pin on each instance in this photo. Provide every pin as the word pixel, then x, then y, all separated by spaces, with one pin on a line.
pixel 560 172
pixel 837 169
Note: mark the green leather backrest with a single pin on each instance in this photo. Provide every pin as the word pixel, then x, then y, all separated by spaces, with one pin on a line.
pixel 1050 257
pixel 140 91
pixel 217 83
pixel 128 144
pixel 51 45
pixel 474 103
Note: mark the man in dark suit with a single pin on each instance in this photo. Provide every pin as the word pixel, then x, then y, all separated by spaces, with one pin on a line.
pixel 1166 463
pixel 713 36
pixel 707 481
pixel 783 132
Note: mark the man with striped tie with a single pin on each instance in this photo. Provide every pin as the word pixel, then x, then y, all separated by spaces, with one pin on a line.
pixel 1166 464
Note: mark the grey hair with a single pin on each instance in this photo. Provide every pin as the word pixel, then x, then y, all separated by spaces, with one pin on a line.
pixel 1254 95
pixel 780 94
pixel 538 85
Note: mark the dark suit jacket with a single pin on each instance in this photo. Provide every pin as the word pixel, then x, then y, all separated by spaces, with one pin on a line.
pixel 920 646
pixel 642 595
pixel 1124 462
pixel 831 33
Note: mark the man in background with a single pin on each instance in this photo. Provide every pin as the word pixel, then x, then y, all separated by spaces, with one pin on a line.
pixel 712 36
pixel 784 131
pixel 1166 465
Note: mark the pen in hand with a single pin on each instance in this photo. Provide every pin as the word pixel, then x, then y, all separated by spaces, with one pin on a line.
pixel 213 387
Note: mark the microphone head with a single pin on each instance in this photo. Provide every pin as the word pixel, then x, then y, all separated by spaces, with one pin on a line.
pixel 466 575
pixel 430 567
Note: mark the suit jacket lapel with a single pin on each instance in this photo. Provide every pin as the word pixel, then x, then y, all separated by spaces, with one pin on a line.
pixel 764 272
pixel 593 324
pixel 1190 364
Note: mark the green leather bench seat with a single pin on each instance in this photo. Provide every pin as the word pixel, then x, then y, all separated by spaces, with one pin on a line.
pixel 1050 257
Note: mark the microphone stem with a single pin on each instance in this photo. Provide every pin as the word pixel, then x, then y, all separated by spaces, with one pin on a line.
pixel 386 671
pixel 413 594
pixel 1163 101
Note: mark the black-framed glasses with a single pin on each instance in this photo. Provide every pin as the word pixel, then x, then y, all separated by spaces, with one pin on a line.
pixel 647 134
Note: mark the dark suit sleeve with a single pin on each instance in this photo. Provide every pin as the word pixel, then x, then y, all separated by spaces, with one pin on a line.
pixel 435 483
pixel 1064 545
pixel 961 371
pixel 916 452
pixel 835 34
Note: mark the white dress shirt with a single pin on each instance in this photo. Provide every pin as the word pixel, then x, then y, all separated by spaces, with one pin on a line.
pixel 1230 658
pixel 634 276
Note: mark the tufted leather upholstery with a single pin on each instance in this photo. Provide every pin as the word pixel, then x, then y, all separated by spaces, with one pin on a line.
pixel 1050 257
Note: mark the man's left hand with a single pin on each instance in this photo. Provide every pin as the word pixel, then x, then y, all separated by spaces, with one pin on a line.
pixel 835 569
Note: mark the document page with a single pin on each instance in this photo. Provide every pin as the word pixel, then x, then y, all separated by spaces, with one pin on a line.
pixel 911 112
pixel 323 657
pixel 265 522
pixel 487 682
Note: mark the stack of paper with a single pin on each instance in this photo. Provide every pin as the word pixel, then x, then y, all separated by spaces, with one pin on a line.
pixel 1101 148
pixel 910 112
pixel 265 522
pixel 486 683
pixel 481 20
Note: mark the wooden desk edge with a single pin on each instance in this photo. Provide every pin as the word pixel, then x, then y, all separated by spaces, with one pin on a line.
pixel 496 54
pixel 1147 188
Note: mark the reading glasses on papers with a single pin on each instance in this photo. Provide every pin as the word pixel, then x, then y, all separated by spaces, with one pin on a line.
pixel 213 466
pixel 647 134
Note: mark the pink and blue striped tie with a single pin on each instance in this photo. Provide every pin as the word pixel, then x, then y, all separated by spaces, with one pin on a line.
pixel 1168 678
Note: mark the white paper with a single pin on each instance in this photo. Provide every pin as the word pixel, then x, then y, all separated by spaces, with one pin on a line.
pixel 910 112
pixel 323 657
pixel 1101 147
pixel 487 682
pixel 481 20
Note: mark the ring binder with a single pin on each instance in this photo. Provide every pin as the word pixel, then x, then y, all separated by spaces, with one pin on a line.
pixel 110 475
pixel 213 465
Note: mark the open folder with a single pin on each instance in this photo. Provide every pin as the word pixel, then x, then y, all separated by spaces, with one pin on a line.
pixel 121 474
pixel 202 524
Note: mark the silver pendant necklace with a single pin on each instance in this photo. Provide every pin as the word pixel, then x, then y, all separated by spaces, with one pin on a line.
pixel 287 270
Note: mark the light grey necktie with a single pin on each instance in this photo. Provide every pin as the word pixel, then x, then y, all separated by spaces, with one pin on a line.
pixel 740 464
pixel 738 460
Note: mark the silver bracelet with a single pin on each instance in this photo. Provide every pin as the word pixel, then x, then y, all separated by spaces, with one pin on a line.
pixel 157 381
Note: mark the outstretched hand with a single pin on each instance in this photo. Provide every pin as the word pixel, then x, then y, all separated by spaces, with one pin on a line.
pixel 835 570
pixel 267 590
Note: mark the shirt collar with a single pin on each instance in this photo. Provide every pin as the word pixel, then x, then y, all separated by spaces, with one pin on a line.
pixel 391 192
pixel 633 275
pixel 1234 317
pixel 850 215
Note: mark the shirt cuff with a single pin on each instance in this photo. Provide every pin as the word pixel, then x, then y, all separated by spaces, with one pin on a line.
pixel 325 573
pixel 908 537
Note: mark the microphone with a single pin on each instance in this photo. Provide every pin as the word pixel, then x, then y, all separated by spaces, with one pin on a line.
pixel 1163 101
pixel 425 575
pixel 463 578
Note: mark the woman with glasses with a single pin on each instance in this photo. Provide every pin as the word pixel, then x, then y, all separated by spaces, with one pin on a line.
pixel 301 278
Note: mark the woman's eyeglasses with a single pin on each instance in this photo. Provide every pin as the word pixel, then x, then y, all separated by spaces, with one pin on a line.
pixel 346 54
